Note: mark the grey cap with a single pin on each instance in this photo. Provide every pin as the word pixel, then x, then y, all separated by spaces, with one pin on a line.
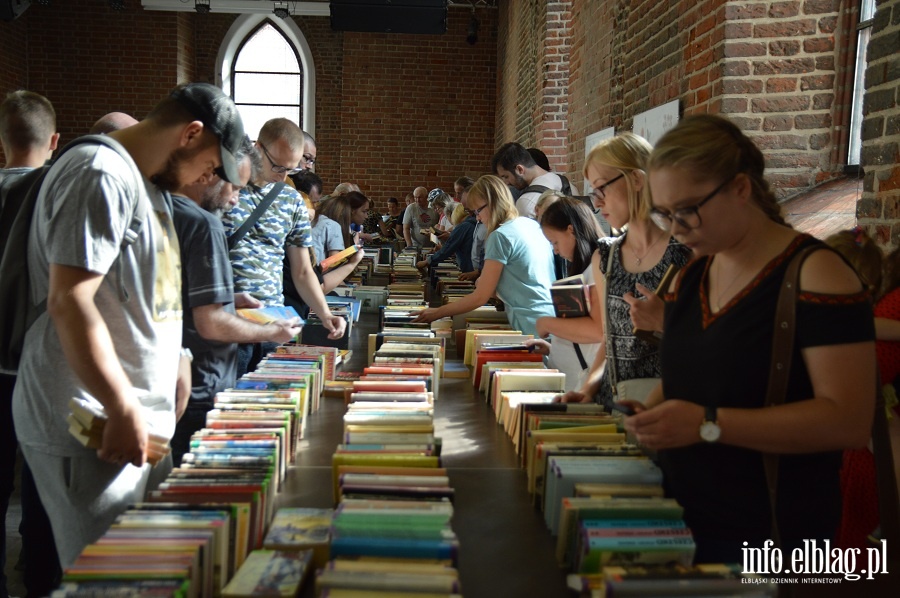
pixel 219 115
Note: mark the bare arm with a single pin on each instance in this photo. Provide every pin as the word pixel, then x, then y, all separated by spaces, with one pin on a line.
pixel 215 324
pixel 182 386
pixel 407 235
pixel 90 352
pixel 578 330
pixel 333 278
pixel 487 285
pixel 887 329
pixel 311 291
pixel 837 416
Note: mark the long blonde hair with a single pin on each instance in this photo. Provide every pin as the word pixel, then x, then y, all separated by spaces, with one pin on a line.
pixel 714 148
pixel 496 195
pixel 627 153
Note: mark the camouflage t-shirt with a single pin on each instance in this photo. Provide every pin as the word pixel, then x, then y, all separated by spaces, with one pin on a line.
pixel 258 259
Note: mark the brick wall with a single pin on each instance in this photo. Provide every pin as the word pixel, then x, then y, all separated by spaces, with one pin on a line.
pixel 879 208
pixel 89 59
pixel 186 67
pixel 13 59
pixel 417 109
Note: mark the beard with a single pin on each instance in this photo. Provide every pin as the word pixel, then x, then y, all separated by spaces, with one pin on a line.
pixel 214 201
pixel 168 178
pixel 520 183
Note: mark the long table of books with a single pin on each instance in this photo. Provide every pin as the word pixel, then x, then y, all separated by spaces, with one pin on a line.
pixel 423 460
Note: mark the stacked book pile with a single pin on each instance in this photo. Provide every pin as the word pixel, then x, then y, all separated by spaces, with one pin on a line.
pixel 161 550
pixel 405 270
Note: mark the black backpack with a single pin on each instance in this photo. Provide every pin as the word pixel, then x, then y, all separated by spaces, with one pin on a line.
pixel 566 190
pixel 18 198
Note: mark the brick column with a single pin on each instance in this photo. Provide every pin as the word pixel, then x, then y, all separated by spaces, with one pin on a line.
pixel 879 208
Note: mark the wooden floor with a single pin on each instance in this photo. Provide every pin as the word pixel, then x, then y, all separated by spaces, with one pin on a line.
pixel 825 210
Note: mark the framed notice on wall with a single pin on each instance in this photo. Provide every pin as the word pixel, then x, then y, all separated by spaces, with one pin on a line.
pixel 589 142
pixel 654 122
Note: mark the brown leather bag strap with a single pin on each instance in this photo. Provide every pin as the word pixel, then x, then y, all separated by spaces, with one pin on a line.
pixel 779 370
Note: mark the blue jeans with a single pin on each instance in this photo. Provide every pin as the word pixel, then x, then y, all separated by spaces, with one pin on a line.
pixel 250 354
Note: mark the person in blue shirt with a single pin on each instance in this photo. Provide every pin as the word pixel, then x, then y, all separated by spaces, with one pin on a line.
pixel 459 243
pixel 518 261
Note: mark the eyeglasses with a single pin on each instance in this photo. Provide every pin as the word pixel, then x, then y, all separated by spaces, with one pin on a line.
pixel 479 210
pixel 688 217
pixel 309 159
pixel 278 168
pixel 600 192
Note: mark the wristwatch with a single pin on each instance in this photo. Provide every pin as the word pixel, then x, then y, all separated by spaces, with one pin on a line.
pixel 709 429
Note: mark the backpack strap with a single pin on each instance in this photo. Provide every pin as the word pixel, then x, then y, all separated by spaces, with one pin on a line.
pixel 535 189
pixel 236 237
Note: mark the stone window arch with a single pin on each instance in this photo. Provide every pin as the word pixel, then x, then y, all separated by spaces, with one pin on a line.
pixel 264 85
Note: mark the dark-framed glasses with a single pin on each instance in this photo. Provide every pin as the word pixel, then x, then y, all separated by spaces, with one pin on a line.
pixel 689 217
pixel 478 211
pixel 600 192
pixel 309 159
pixel 278 168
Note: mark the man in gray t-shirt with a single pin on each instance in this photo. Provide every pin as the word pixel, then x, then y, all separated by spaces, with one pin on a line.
pixel 418 217
pixel 112 333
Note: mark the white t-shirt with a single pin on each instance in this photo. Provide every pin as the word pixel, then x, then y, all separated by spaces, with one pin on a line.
pixel 526 202
pixel 85 206
pixel 564 358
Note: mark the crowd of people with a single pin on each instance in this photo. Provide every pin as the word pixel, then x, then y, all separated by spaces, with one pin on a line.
pixel 152 337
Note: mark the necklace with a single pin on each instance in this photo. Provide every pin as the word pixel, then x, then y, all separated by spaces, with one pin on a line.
pixel 638 259
pixel 727 288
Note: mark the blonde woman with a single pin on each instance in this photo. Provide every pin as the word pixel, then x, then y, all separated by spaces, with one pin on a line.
pixel 518 261
pixel 616 169
pixel 708 420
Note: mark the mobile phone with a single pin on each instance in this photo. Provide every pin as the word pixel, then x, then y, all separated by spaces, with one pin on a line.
pixel 620 408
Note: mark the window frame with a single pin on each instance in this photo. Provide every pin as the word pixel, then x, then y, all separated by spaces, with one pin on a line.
pixel 241 30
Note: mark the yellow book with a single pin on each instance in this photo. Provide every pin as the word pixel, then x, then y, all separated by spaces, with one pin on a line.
pixel 270 573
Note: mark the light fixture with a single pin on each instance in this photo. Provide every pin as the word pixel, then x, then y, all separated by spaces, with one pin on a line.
pixel 201 6
pixel 117 4
pixel 472 34
pixel 281 10
pixel 43 2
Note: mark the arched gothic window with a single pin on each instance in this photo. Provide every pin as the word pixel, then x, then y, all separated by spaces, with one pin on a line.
pixel 267 68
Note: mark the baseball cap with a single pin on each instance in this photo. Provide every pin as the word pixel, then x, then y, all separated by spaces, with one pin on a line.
pixel 217 112
pixel 434 193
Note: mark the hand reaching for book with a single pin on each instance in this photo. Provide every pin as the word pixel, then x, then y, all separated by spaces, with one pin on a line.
pixel 574 396
pixel 427 315
pixel 335 325
pixel 541 346
pixel 285 330
pixel 124 436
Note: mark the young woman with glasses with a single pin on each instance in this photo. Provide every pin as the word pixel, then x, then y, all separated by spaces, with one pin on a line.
pixel 616 168
pixel 518 261
pixel 708 419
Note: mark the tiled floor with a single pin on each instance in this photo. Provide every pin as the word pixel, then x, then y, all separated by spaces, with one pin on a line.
pixel 826 209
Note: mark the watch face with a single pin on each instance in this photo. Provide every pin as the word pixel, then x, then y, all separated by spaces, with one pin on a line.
pixel 710 431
